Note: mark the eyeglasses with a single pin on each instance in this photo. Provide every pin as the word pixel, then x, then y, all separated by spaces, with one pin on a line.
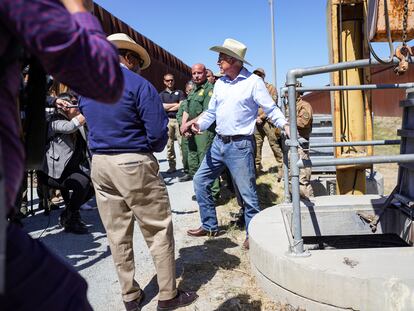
pixel 168 80
pixel 223 58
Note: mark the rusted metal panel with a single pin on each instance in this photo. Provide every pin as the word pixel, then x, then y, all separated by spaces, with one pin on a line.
pixel 161 60
pixel 396 15
pixel 337 2
pixel 320 102
pixel 385 103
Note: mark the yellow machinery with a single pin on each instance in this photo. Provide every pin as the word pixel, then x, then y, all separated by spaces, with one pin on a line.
pixel 348 41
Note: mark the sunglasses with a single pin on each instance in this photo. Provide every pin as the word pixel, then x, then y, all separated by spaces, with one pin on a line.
pixel 223 58
pixel 169 80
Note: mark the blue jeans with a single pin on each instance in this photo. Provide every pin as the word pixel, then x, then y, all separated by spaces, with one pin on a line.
pixel 238 156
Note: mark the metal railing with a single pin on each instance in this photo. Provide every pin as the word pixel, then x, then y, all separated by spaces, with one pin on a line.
pixel 297 249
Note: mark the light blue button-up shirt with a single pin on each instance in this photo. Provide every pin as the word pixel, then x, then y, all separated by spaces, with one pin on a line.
pixel 234 105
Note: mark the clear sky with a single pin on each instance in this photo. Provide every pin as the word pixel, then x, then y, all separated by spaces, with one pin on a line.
pixel 188 29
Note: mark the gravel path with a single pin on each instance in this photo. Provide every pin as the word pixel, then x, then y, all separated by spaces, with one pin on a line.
pixel 199 261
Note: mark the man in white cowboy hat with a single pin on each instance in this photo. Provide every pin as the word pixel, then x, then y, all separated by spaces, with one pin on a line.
pixel 125 174
pixel 233 106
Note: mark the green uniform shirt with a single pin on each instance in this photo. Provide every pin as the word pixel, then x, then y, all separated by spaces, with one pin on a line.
pixel 183 107
pixel 198 100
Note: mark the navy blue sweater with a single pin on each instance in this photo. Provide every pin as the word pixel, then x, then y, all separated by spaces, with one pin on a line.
pixel 136 123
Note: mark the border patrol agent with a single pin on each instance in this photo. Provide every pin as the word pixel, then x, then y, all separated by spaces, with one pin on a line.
pixel 264 128
pixel 197 102
pixel 304 116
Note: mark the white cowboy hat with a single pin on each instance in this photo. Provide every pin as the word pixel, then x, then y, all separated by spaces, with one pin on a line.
pixel 125 42
pixel 232 48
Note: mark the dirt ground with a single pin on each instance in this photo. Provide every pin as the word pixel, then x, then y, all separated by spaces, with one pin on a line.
pixel 386 128
pixel 217 268
pixel 234 282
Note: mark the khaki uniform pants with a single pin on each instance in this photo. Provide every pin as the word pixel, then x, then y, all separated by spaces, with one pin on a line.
pixel 128 186
pixel 263 130
pixel 305 175
pixel 173 134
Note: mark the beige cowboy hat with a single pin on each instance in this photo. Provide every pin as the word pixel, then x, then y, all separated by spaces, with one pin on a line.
pixel 125 42
pixel 232 48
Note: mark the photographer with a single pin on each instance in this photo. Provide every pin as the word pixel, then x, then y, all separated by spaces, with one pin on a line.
pixel 69 43
pixel 65 153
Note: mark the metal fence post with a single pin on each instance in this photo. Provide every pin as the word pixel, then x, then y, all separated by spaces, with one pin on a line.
pixel 285 151
pixel 297 248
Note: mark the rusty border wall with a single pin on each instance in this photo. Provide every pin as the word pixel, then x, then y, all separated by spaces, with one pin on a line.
pixel 161 60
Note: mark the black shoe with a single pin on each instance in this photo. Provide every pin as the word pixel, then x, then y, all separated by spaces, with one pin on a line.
pixel 63 218
pixel 72 222
pixel 135 305
pixel 75 226
pixel 181 300
pixel 186 177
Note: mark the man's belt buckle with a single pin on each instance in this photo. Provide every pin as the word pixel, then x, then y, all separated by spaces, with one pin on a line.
pixel 225 139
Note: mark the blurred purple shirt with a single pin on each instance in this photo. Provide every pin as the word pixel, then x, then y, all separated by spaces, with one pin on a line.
pixel 71 47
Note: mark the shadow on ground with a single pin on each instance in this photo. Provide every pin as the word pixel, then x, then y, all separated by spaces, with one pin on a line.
pixel 240 303
pixel 80 251
pixel 197 265
pixel 184 212
pixel 266 195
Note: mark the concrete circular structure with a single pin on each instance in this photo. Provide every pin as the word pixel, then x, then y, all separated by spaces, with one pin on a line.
pixel 341 279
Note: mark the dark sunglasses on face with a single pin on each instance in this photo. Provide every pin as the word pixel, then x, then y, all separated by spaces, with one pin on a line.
pixel 223 58
pixel 168 80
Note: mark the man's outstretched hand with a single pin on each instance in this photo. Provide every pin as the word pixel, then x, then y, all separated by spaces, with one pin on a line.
pixel 195 128
pixel 190 128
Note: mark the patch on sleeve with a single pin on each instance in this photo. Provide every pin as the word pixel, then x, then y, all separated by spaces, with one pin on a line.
pixel 210 93
pixel 306 115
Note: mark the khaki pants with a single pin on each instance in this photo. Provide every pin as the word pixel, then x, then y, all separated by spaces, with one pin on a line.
pixel 268 130
pixel 173 134
pixel 305 175
pixel 129 185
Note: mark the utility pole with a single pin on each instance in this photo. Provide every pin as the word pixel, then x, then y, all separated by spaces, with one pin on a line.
pixel 272 22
